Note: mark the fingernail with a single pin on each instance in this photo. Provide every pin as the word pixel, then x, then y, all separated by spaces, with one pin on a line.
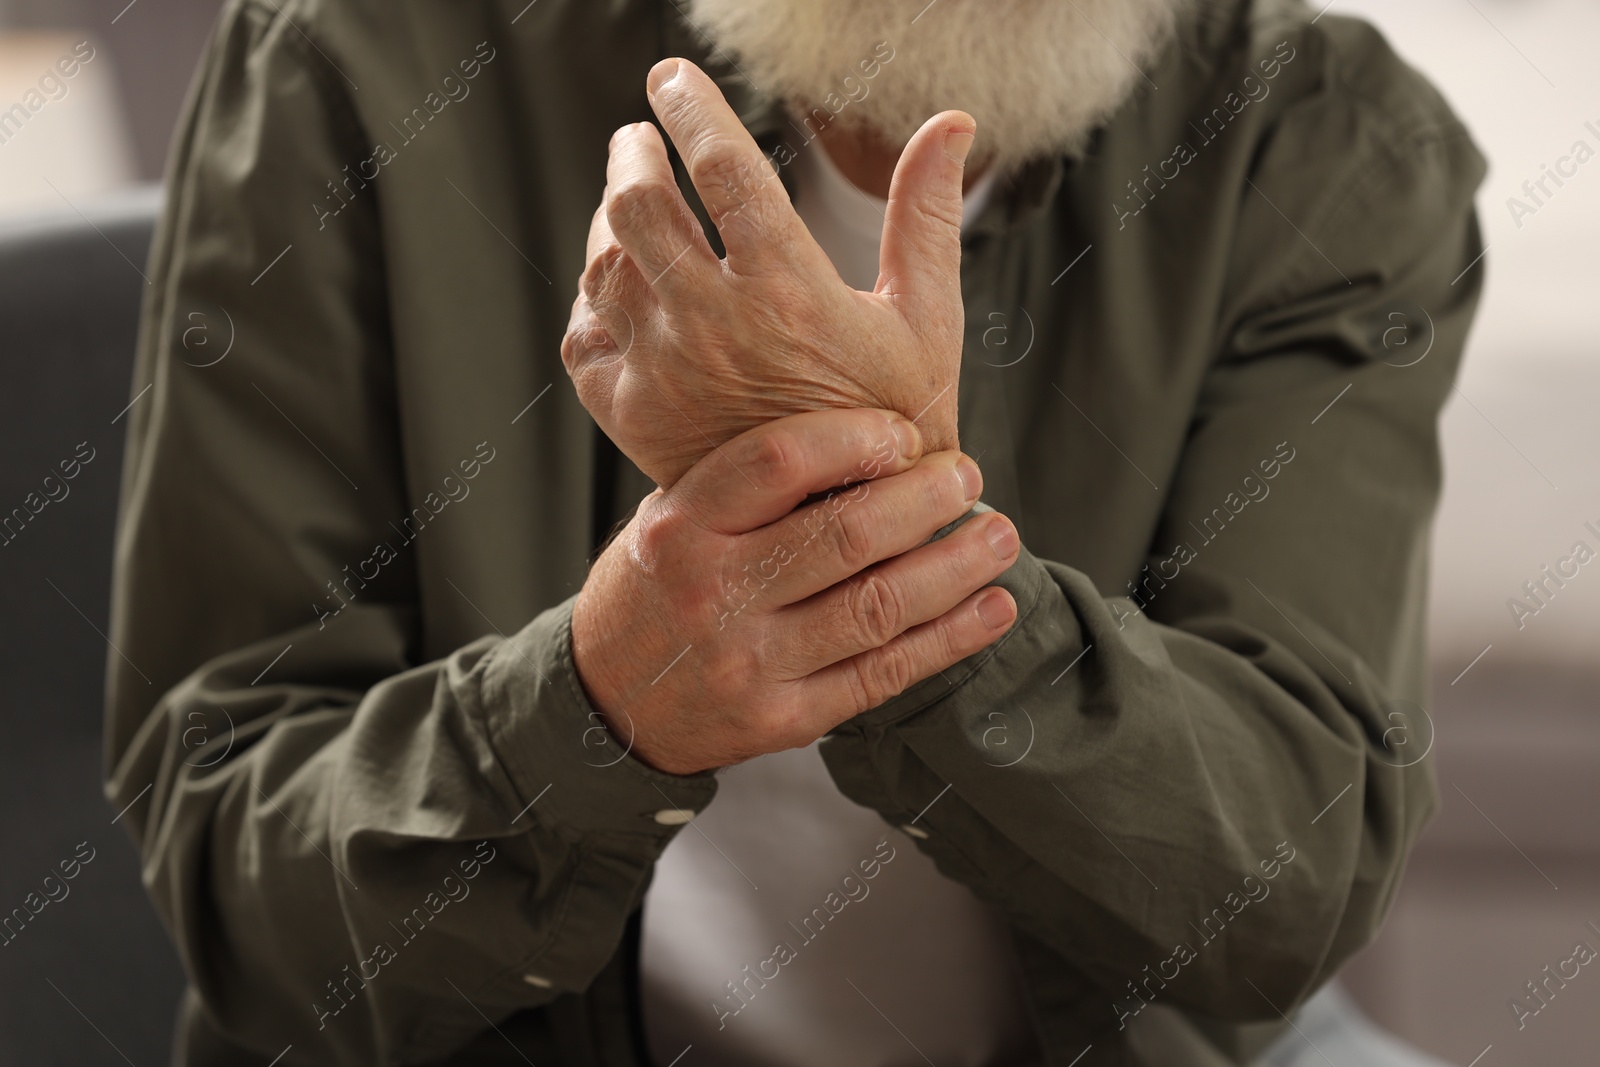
pixel 957 143
pixel 971 479
pixel 660 74
pixel 994 611
pixel 907 438
pixel 1002 537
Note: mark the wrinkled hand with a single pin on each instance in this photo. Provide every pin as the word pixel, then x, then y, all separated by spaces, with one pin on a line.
pixel 726 621
pixel 675 352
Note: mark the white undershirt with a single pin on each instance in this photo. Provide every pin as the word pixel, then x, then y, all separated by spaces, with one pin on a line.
pixel 847 222
pixel 898 965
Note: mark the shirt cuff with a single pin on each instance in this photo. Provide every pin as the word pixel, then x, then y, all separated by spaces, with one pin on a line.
pixel 576 777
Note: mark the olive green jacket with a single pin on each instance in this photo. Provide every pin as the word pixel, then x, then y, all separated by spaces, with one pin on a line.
pixel 1203 372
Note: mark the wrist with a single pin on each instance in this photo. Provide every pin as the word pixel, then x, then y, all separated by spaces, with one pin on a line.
pixel 590 641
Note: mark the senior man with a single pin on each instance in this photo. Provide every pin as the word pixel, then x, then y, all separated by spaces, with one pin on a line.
pixel 695 710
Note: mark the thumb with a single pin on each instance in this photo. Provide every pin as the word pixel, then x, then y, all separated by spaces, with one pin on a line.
pixel 919 265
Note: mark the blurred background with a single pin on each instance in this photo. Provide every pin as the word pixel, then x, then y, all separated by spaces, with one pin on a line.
pixel 1506 881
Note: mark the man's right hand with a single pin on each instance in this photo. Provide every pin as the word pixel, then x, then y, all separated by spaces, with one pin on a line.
pixel 727 621
pixel 675 352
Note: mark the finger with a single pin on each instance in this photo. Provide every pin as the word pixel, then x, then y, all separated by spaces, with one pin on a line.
pixel 919 262
pixel 883 602
pixel 611 285
pixel 824 544
pixel 863 682
pixel 737 183
pixel 764 473
pixel 649 216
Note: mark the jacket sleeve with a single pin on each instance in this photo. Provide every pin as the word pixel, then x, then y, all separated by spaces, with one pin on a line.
pixel 1239 748
pixel 364 856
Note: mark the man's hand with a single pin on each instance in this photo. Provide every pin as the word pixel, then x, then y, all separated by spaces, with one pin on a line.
pixel 724 623
pixel 675 352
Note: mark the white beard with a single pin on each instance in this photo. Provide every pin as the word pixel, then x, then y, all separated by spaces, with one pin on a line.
pixel 1038 75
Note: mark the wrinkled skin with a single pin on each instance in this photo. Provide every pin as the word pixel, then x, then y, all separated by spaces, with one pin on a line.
pixel 737 615
pixel 732 618
pixel 676 352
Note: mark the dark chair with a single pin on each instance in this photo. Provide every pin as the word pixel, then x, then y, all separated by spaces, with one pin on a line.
pixel 89 978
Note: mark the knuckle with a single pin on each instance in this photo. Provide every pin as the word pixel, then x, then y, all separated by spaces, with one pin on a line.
pixel 637 204
pixel 697 605
pixel 659 535
pixel 727 677
pixel 601 270
pixel 878 609
pixel 586 337
pixel 573 350
pixel 720 166
pixel 853 536
pixel 860 696
pixel 775 460
pixel 577 355
pixel 883 676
